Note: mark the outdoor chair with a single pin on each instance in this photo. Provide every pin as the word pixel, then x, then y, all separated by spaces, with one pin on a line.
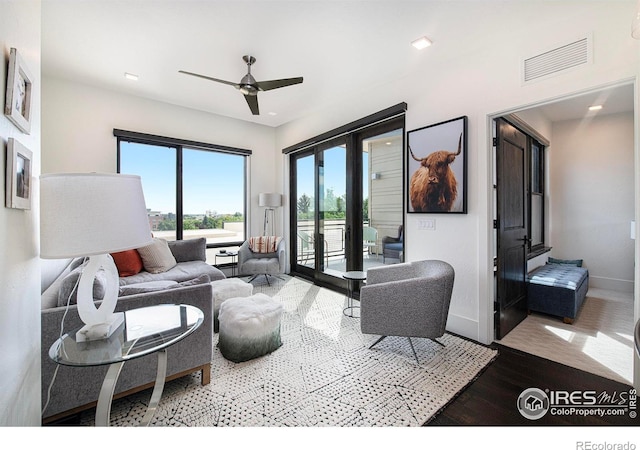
pixel 393 247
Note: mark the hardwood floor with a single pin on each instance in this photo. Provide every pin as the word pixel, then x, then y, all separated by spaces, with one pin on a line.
pixel 492 398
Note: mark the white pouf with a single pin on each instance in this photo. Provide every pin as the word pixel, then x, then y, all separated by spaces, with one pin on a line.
pixel 249 327
pixel 226 289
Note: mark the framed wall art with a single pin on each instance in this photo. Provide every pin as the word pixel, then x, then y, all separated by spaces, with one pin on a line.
pixel 18 99
pixel 18 179
pixel 437 168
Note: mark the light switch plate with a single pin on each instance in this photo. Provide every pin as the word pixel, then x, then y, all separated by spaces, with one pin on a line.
pixel 427 224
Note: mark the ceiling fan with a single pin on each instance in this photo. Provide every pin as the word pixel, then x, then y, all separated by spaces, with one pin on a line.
pixel 249 86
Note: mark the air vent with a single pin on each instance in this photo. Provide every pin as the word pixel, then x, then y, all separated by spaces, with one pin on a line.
pixel 557 60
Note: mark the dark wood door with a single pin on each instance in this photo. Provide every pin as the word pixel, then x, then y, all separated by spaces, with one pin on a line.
pixel 511 163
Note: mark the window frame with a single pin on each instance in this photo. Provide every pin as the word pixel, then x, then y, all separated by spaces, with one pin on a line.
pixel 539 248
pixel 179 145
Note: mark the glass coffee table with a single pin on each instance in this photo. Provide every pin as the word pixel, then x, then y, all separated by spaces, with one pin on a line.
pixel 353 278
pixel 145 331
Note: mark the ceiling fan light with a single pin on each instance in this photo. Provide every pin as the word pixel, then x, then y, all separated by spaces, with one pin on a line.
pixel 422 42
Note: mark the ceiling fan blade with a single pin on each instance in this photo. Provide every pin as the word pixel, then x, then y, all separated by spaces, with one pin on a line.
pixel 252 101
pixel 235 85
pixel 275 84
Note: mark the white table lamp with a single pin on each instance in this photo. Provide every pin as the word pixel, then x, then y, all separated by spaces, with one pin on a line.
pixel 269 201
pixel 93 215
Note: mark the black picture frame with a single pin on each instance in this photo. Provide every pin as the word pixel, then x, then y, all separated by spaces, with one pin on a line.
pixel 437 168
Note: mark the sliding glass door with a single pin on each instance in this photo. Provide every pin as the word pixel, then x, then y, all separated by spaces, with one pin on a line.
pixel 347 194
pixel 332 207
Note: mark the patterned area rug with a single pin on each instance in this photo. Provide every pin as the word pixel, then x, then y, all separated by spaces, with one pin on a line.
pixel 323 375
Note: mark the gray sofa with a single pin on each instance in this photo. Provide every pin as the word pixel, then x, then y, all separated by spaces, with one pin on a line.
pixel 76 388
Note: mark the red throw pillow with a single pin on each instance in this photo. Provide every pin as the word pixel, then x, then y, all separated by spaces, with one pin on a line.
pixel 128 262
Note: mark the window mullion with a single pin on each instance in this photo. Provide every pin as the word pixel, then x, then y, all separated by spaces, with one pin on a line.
pixel 179 199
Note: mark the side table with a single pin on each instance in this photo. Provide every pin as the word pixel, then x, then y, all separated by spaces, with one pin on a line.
pixel 234 262
pixel 353 278
pixel 145 331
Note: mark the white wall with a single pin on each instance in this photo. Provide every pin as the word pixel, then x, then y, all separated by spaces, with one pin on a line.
pixel 483 82
pixel 78 122
pixel 19 236
pixel 592 197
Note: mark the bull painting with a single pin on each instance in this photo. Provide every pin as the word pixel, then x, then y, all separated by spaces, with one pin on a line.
pixel 433 186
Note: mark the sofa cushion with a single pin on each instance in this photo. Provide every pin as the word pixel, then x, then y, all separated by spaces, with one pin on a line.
pixel 202 279
pixel 128 262
pixel 160 285
pixel 189 250
pixel 183 271
pixel 156 257
pixel 68 289
pixel 149 286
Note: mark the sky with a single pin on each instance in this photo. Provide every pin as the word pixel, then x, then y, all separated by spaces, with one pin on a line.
pixel 334 173
pixel 213 181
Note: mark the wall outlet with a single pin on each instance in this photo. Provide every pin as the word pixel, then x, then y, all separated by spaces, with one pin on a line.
pixel 427 224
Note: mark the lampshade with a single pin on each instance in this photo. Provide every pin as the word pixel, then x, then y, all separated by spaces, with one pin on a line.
pixel 91 214
pixel 270 200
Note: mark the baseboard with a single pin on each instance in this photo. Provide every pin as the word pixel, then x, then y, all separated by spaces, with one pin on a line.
pixel 611 284
pixel 463 326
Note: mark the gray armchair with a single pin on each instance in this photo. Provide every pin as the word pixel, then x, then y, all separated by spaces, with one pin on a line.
pixel 256 264
pixel 408 299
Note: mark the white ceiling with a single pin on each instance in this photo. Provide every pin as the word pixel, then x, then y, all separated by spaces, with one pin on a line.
pixel 617 99
pixel 340 48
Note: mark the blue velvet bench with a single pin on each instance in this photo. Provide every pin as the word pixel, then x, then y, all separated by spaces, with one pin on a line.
pixel 558 290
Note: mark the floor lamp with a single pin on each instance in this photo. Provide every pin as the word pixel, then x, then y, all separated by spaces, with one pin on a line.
pixel 269 201
pixel 93 215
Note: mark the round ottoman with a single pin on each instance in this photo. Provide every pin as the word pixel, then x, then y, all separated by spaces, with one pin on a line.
pixel 225 289
pixel 249 327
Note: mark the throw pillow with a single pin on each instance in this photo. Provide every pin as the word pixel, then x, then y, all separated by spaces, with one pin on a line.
pixel 264 244
pixel 69 289
pixel 156 257
pixel 128 262
pixel 189 249
pixel 569 262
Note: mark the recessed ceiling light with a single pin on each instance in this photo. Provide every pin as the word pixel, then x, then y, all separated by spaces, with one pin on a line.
pixel 273 113
pixel 131 76
pixel 421 43
pixel 595 108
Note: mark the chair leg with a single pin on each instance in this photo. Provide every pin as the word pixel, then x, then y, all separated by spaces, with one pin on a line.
pixel 438 342
pixel 376 342
pixel 413 350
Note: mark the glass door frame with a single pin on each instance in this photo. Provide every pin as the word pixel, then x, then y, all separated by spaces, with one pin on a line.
pixel 353 142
